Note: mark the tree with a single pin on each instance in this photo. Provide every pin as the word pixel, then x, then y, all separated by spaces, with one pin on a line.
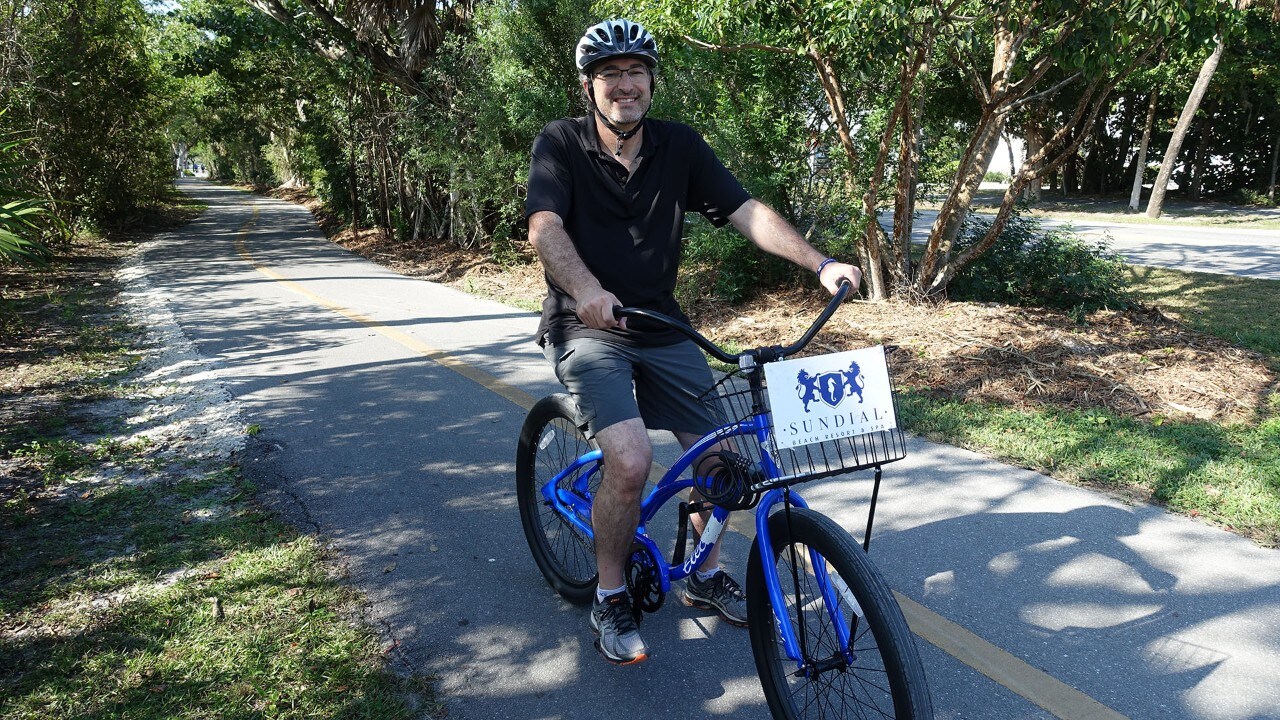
pixel 884 52
pixel 1013 55
pixel 1079 51
pixel 1140 164
pixel 248 90
pixel 1156 203
pixel 398 38
pixel 82 84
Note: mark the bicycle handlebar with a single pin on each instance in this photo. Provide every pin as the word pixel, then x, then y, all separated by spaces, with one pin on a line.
pixel 763 354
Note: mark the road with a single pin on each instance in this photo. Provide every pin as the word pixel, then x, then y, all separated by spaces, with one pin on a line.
pixel 1247 252
pixel 389 410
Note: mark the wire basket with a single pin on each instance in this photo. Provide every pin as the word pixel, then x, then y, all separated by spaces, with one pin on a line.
pixel 731 400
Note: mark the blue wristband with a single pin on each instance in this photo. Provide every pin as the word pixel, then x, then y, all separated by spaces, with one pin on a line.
pixel 822 265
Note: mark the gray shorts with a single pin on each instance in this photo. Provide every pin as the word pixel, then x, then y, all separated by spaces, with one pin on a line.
pixel 669 382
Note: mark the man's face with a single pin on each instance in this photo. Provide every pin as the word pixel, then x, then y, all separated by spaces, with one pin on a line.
pixel 623 89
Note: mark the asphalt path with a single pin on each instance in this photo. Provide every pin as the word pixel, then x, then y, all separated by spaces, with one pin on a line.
pixel 390 409
pixel 1222 250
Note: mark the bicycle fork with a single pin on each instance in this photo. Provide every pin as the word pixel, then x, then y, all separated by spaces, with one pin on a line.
pixel 832 587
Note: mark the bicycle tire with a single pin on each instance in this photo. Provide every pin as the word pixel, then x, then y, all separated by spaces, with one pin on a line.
pixel 886 678
pixel 549 442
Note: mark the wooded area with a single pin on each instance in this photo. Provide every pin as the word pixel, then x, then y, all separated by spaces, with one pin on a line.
pixel 416 118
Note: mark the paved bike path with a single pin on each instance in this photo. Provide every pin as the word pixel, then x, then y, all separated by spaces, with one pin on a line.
pixel 371 435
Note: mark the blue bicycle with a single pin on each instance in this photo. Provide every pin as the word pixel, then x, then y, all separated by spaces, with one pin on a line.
pixel 828 637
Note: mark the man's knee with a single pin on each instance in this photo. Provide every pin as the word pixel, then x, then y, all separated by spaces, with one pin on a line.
pixel 627 455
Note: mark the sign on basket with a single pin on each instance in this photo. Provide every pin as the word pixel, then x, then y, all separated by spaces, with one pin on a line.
pixel 828 397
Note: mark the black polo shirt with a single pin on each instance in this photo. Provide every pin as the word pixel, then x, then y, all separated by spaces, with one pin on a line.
pixel 628 230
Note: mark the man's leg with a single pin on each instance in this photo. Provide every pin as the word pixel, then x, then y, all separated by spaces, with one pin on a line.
pixel 711 587
pixel 699 520
pixel 599 376
pixel 615 511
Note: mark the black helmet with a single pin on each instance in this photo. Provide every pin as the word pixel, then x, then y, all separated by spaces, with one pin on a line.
pixel 612 38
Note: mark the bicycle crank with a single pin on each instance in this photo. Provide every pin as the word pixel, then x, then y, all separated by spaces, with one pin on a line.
pixel 643 582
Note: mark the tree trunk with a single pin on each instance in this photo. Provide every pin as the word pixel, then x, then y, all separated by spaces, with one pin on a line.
pixel 1140 164
pixel 1035 141
pixel 1118 167
pixel 938 250
pixel 1156 204
pixel 834 91
pixel 1070 183
pixel 352 169
pixel 180 157
pixel 905 202
pixel 1196 175
pixel 946 226
pixel 873 238
pixel 1275 157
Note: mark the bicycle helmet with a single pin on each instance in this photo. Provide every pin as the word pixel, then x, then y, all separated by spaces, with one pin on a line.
pixel 612 38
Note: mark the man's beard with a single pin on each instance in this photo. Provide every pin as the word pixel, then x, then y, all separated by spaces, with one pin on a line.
pixel 627 114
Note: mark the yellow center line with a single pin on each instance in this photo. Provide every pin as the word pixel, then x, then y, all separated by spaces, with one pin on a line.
pixel 1038 687
pixel 510 392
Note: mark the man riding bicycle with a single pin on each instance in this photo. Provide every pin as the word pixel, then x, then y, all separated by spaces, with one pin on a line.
pixel 606 202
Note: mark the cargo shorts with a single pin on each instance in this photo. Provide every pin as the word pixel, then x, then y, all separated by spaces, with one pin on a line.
pixel 664 386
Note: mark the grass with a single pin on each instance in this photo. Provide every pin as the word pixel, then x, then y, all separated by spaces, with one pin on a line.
pixel 1226 473
pixel 138 583
pixel 1245 311
pixel 1229 474
pixel 179 603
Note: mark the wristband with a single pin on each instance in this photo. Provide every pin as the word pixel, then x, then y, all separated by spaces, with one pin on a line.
pixel 822 265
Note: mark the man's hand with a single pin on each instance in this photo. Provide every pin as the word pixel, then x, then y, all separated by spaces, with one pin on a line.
pixel 833 273
pixel 596 311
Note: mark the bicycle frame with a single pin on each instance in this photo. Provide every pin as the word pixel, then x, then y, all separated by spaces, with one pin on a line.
pixel 574 504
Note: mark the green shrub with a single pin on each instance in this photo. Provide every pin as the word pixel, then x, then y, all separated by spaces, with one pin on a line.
pixel 725 265
pixel 995 176
pixel 1037 268
pixel 1253 197
pixel 24 219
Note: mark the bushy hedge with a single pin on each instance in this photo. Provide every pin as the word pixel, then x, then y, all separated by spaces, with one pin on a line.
pixel 1035 267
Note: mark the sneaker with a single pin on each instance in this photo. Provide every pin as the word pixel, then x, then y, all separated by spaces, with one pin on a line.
pixel 619 642
pixel 721 593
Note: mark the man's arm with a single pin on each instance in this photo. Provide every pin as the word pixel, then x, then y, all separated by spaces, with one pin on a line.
pixel 564 265
pixel 766 228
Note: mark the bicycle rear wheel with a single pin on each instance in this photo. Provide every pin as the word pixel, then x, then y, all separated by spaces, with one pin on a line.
pixel 549 442
pixel 885 678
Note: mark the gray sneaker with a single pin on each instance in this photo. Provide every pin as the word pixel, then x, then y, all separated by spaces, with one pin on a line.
pixel 619 642
pixel 721 593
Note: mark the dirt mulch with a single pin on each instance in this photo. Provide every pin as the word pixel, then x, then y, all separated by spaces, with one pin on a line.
pixel 1137 363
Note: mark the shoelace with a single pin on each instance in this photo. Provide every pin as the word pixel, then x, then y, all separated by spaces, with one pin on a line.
pixel 620 616
pixel 730 586
pixel 722 585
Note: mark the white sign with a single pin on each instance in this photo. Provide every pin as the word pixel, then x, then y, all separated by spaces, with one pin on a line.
pixel 828 397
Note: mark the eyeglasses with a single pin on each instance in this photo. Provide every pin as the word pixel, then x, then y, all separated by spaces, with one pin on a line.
pixel 613 76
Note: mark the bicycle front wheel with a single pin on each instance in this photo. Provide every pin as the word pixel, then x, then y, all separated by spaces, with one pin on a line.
pixel 550 442
pixel 881 675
